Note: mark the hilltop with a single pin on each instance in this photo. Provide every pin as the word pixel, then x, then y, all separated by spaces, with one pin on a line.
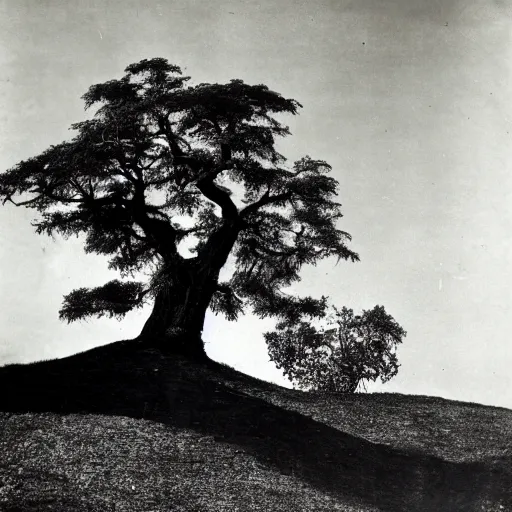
pixel 125 427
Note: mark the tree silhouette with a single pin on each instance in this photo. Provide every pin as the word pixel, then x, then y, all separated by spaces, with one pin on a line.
pixel 348 350
pixel 141 180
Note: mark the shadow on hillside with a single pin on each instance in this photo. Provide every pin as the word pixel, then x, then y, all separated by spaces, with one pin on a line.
pixel 118 380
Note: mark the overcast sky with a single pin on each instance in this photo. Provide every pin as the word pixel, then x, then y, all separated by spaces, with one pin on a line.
pixel 410 101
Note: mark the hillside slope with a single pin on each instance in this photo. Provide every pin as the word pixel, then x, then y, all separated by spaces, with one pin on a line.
pixel 127 428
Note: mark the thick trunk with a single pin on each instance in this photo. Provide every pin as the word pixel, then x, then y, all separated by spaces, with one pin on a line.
pixel 176 322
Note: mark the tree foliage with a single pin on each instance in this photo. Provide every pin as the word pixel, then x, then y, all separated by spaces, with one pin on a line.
pixel 143 176
pixel 348 350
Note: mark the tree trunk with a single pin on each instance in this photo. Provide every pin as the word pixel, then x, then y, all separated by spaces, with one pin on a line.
pixel 176 322
pixel 350 384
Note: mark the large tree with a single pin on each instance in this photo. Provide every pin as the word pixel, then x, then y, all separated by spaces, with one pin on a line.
pixel 158 167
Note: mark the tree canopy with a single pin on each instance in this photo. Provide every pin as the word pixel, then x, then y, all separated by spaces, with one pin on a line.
pixel 159 165
pixel 341 354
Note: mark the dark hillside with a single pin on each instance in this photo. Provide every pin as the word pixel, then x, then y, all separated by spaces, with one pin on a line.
pixel 205 437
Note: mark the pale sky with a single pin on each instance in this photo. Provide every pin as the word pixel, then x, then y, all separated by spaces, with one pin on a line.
pixel 410 101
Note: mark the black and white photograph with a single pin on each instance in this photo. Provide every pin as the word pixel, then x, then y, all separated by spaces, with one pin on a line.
pixel 255 255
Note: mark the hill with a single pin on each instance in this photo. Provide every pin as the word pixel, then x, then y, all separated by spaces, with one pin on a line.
pixel 125 427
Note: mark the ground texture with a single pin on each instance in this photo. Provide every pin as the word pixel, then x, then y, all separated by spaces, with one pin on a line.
pixel 128 428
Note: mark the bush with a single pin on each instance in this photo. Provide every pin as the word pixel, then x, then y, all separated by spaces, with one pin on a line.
pixel 339 356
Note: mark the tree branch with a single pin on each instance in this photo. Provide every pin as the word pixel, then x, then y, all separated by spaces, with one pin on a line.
pixel 22 203
pixel 56 197
pixel 265 200
pixel 220 197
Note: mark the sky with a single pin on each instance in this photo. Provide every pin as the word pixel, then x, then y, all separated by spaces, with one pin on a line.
pixel 408 100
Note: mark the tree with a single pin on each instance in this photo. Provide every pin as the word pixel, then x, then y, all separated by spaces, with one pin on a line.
pixel 141 179
pixel 347 351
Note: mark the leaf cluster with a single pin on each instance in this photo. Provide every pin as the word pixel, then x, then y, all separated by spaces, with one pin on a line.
pixel 346 351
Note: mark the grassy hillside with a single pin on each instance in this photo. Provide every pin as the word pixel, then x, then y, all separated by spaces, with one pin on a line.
pixel 127 428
